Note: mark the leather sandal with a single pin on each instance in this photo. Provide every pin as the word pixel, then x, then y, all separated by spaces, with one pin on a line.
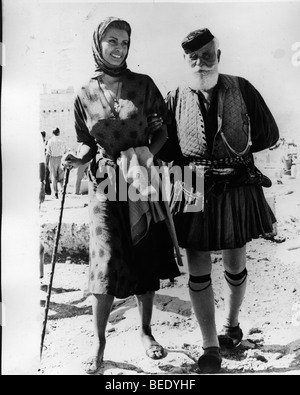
pixel 231 336
pixel 210 361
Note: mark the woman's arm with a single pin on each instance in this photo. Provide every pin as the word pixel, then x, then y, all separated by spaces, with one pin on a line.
pixel 157 119
pixel 85 155
pixel 88 147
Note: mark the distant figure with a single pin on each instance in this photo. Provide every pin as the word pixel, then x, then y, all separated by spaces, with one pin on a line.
pixel 42 175
pixel 80 171
pixel 47 175
pixel 42 260
pixel 56 148
pixel 286 159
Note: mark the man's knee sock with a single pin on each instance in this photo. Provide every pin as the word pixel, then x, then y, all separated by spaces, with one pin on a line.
pixel 236 288
pixel 202 298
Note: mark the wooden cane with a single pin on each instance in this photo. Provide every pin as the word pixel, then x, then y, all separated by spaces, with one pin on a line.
pixel 170 225
pixel 53 261
pixel 172 232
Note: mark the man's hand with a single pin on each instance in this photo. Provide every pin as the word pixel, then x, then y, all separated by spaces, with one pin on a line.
pixel 154 122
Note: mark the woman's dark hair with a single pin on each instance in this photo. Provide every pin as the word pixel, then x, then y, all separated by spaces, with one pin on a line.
pixel 121 25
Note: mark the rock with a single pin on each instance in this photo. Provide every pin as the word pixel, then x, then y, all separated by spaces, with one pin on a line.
pixel 260 357
pixel 279 356
pixel 252 331
pixel 74 238
pixel 246 344
pixel 74 231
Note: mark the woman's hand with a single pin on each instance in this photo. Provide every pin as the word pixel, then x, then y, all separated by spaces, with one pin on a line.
pixel 155 122
pixel 70 161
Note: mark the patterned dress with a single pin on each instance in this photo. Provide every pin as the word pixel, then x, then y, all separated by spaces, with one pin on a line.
pixel 116 266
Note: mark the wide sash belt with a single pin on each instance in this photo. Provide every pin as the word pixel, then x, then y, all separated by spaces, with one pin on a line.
pixel 221 162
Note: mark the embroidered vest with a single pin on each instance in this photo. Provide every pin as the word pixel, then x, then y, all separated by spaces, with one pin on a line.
pixel 233 135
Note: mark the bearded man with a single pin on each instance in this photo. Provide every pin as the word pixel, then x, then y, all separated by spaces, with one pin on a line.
pixel 216 122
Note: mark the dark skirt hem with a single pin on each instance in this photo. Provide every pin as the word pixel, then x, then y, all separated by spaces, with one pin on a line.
pixel 230 219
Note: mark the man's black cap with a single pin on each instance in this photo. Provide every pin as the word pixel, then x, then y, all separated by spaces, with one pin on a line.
pixel 196 40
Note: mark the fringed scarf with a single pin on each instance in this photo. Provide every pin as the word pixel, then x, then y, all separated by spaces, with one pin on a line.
pixel 101 65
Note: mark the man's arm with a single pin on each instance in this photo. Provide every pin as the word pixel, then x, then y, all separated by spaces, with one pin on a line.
pixel 264 130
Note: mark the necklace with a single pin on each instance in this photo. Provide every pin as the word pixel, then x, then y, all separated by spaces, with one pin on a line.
pixel 116 97
pixel 117 106
pixel 111 98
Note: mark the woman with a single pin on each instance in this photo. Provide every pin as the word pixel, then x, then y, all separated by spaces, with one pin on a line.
pixel 112 114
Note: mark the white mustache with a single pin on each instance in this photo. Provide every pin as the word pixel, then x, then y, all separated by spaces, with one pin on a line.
pixel 206 68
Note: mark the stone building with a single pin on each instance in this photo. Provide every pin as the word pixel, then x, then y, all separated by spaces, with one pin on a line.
pixel 57 111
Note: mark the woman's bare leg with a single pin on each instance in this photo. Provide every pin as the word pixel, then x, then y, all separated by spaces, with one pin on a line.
pixel 101 305
pixel 145 307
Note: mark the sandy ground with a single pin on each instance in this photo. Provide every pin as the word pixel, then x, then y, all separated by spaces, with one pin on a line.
pixel 270 315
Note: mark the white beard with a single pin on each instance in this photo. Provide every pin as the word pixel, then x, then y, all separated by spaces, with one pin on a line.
pixel 205 79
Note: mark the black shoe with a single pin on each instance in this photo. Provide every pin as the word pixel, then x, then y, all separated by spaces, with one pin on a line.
pixel 231 336
pixel 56 195
pixel 210 361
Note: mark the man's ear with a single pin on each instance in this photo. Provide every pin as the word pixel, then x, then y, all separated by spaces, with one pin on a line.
pixel 219 55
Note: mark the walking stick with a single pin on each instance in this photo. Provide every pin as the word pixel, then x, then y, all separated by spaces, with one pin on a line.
pixel 66 179
pixel 170 224
pixel 172 232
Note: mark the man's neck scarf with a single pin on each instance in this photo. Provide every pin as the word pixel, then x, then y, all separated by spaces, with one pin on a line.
pixel 101 65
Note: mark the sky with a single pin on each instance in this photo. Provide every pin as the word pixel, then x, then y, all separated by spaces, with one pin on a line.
pixel 256 40
pixel 50 42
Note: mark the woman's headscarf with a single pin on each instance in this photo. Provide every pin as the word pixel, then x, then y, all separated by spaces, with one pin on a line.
pixel 101 66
